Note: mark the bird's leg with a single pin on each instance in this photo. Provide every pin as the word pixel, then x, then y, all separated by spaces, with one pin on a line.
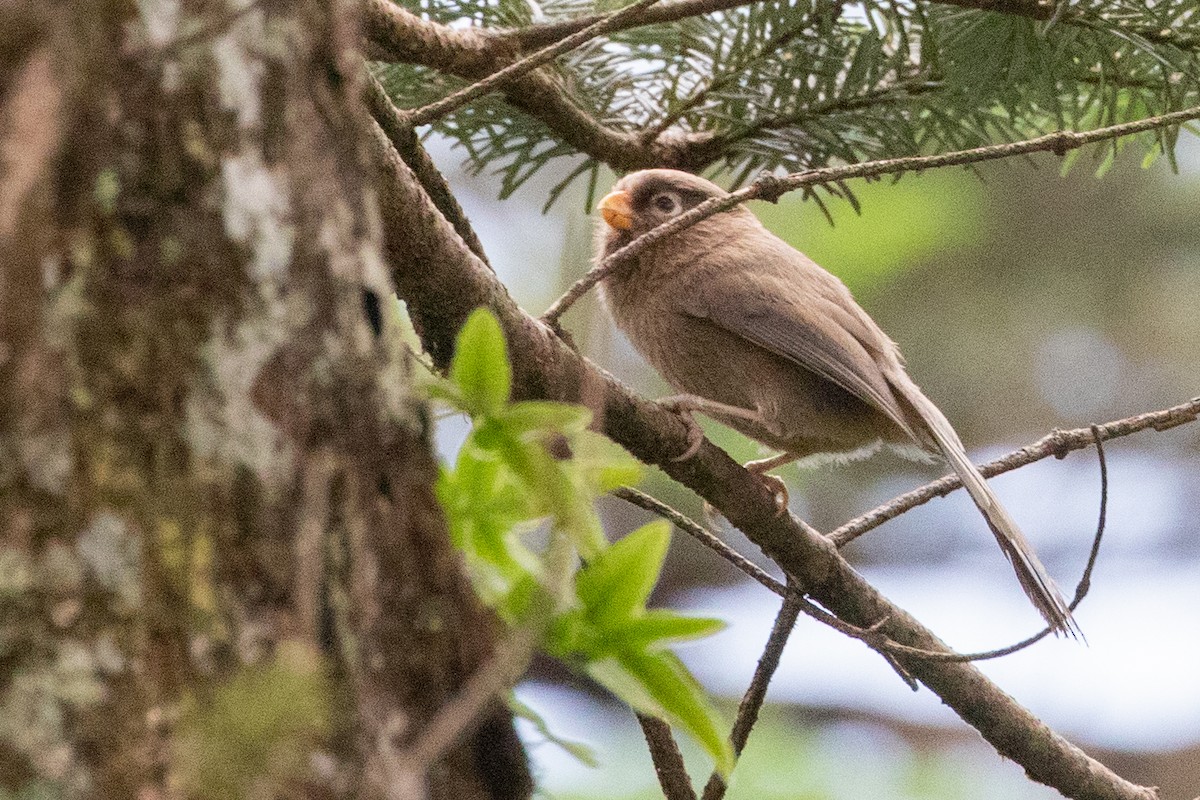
pixel 775 483
pixel 764 464
pixel 686 404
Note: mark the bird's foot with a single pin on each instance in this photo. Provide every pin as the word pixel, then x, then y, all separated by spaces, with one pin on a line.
pixel 778 490
pixel 773 483
pixel 695 434
pixel 686 404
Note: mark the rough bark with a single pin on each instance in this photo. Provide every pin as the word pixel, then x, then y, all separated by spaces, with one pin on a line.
pixel 215 487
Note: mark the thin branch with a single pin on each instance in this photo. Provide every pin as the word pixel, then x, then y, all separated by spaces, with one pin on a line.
pixel 756 693
pixel 433 111
pixel 871 637
pixel 1159 420
pixel 400 131
pixel 714 543
pixel 1056 444
pixel 700 534
pixel 731 74
pixel 1159 36
pixel 771 188
pixel 898 92
pixel 397 35
pixel 442 282
pixel 747 567
pixel 543 33
pixel 668 761
pixel 1081 589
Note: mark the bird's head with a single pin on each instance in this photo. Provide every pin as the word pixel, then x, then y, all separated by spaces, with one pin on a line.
pixel 641 201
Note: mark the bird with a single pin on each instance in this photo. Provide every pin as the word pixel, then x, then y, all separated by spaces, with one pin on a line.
pixel 754 334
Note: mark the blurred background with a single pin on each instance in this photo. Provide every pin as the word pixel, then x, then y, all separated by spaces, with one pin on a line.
pixel 1024 301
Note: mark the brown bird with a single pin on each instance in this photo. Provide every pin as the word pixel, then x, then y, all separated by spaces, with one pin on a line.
pixel 761 338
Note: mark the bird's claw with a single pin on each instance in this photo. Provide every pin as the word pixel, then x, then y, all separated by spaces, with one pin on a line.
pixel 778 490
pixel 695 434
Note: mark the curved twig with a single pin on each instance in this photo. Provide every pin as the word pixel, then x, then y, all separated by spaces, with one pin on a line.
pixel 871 636
pixel 1081 589
pixel 1056 444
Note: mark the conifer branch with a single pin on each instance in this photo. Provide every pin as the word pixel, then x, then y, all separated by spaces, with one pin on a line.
pixel 542 34
pixel 744 117
pixel 397 35
pixel 509 74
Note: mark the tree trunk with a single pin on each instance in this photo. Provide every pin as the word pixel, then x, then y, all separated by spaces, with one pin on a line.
pixel 223 571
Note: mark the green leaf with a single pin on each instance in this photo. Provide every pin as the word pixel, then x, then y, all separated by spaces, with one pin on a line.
pixel 1110 159
pixel 570 636
pixel 480 367
pixel 553 486
pixel 1152 155
pixel 1069 160
pixel 615 585
pixel 605 465
pixel 612 674
pixel 658 684
pixel 527 599
pixel 544 415
pixel 444 390
pixel 657 627
pixel 481 490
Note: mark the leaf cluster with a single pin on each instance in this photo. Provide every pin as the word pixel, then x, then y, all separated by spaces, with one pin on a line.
pixel 792 84
pixel 532 468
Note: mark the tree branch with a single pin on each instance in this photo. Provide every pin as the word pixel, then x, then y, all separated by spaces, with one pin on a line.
pixel 756 693
pixel 545 33
pixel 731 74
pixel 894 93
pixel 871 637
pixel 400 131
pixel 497 59
pixel 668 761
pixel 441 281
pixel 771 188
pixel 517 69
pixel 1056 444
pixel 399 35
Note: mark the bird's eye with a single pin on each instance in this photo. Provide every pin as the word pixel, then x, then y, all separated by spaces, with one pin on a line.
pixel 666 203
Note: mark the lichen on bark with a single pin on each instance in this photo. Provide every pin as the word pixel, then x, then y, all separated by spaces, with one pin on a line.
pixel 206 448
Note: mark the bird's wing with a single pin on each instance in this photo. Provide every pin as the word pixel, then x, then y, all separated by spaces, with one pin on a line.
pixel 815 331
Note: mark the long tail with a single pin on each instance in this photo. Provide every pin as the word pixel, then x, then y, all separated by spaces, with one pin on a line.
pixel 1037 583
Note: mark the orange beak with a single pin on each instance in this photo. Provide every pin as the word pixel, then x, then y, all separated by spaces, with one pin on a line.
pixel 617 210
